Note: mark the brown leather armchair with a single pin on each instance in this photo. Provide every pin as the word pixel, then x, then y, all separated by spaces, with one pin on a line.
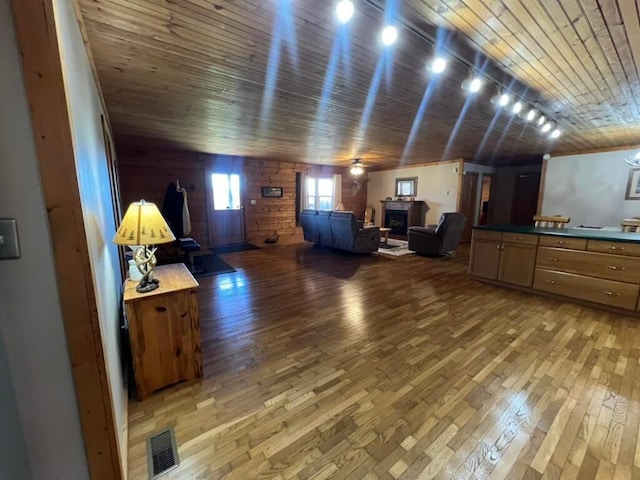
pixel 440 240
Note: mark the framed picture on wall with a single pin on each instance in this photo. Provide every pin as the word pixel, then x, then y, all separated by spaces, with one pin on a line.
pixel 633 185
pixel 271 192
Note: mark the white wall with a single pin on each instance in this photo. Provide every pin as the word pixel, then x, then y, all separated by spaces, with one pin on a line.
pixel 14 463
pixel 589 188
pixel 437 186
pixel 30 317
pixel 85 110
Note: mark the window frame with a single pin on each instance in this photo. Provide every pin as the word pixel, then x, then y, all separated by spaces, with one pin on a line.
pixel 316 196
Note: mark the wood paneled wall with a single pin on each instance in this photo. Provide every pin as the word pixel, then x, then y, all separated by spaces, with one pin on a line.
pixel 146 173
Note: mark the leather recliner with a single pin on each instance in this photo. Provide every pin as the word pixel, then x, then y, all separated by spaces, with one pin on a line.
pixel 440 240
pixel 338 229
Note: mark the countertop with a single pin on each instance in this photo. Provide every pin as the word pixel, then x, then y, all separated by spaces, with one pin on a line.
pixel 606 235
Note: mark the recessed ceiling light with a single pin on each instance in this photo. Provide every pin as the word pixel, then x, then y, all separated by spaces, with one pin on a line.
pixel 344 11
pixel 531 114
pixel 437 65
pixel 556 133
pixel 389 35
pixel 517 107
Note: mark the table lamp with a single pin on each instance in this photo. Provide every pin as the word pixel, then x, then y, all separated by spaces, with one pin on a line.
pixel 143 225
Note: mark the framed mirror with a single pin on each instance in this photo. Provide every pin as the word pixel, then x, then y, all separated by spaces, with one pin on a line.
pixel 406 187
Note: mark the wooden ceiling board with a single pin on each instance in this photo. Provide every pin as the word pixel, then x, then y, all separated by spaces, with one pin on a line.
pixel 192 74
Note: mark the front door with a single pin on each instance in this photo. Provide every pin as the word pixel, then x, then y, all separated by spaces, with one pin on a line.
pixel 226 215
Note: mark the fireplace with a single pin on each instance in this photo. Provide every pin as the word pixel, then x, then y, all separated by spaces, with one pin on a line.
pixel 396 220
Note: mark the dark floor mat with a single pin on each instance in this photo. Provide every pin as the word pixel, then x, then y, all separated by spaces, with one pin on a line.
pixel 208 265
pixel 233 248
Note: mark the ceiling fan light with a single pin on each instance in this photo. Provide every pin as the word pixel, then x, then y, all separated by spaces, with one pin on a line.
pixel 344 11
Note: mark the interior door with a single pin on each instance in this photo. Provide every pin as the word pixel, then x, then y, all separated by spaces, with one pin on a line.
pixel 226 213
pixel 525 198
pixel 468 203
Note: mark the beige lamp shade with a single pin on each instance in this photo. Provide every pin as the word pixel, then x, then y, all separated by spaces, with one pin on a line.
pixel 143 224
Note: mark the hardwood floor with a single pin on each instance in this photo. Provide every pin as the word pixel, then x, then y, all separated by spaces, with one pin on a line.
pixel 320 364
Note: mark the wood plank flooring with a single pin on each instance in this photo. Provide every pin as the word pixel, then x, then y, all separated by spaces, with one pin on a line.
pixel 319 364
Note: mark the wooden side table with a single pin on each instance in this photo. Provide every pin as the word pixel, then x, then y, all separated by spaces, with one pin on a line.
pixel 385 231
pixel 164 330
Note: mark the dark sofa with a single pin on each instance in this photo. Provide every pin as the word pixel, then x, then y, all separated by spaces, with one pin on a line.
pixel 338 230
pixel 440 240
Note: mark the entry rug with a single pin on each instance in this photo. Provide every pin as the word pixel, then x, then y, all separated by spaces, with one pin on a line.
pixel 396 248
pixel 243 247
pixel 208 265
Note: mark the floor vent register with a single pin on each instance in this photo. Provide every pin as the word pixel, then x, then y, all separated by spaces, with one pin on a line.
pixel 162 453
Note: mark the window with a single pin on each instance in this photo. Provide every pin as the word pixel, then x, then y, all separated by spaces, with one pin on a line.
pixel 226 191
pixel 406 187
pixel 320 193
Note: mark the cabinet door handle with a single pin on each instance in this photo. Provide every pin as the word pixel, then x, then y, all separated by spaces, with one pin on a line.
pixel 560 242
pixel 613 267
pixel 611 247
pixel 518 238
pixel 554 259
pixel 611 294
pixel 552 282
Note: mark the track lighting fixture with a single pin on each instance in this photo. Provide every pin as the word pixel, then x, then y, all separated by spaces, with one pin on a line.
pixel 389 35
pixel 531 114
pixel 542 120
pixel 517 108
pixel 344 11
pixel 546 127
pixel 437 65
pixel 473 84
pixel 501 98
pixel 556 133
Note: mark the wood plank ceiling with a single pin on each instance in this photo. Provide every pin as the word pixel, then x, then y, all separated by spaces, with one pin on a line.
pixel 253 77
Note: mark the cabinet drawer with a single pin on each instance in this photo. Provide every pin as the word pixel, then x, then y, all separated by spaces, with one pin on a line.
pixel 601 265
pixel 619 248
pixel 563 242
pixel 597 290
pixel 487 235
pixel 524 238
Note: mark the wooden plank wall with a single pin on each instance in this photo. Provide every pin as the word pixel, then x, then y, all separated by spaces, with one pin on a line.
pixel 146 173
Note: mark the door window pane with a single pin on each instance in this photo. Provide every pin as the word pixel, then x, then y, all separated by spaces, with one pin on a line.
pixel 226 191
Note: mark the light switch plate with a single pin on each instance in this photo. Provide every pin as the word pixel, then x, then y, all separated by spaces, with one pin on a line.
pixel 9 246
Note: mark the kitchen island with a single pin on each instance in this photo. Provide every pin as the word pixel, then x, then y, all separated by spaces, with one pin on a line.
pixel 598 267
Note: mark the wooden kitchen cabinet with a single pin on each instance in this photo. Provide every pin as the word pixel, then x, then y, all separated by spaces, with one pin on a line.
pixel 485 259
pixel 164 330
pixel 517 264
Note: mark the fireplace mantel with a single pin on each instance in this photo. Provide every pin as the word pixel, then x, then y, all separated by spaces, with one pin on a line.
pixel 413 210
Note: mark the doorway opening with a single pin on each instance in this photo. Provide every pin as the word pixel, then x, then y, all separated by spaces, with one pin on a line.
pixel 488 185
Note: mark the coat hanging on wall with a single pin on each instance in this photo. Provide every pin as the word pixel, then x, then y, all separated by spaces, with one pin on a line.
pixel 172 209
